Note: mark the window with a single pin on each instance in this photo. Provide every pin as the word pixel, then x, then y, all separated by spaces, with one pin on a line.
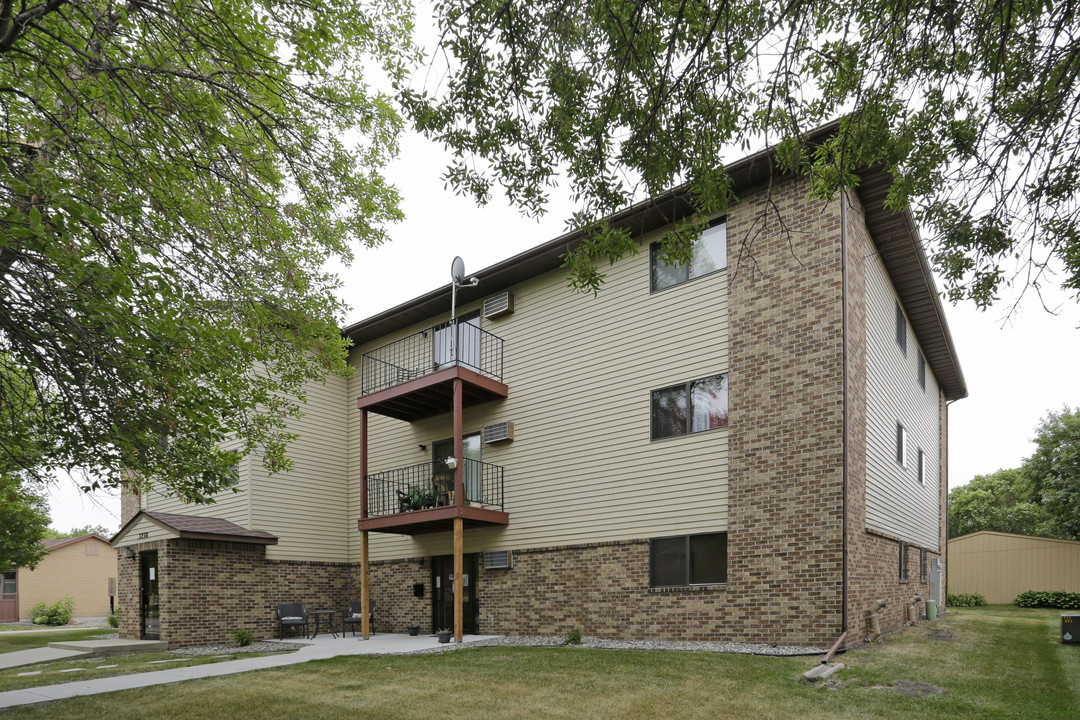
pixel 688 560
pixel 901 445
pixel 922 564
pixel 709 255
pixel 903 560
pixel 8 583
pixel 901 329
pixel 691 407
pixel 922 372
pixel 922 467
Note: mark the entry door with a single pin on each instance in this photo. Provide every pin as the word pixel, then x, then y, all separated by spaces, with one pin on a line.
pixel 465 350
pixel 148 585
pixel 9 597
pixel 442 579
pixel 442 449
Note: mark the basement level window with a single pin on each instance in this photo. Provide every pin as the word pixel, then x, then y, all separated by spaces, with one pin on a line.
pixel 922 564
pixel 903 560
pixel 688 560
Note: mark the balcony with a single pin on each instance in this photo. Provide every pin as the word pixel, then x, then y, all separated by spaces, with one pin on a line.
pixel 412 378
pixel 420 498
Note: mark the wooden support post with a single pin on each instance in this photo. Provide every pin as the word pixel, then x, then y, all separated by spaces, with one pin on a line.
pixel 365 586
pixel 459 443
pixel 363 464
pixel 458 586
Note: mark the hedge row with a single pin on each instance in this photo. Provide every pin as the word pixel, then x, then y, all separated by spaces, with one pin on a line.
pixel 1053 599
pixel 966 600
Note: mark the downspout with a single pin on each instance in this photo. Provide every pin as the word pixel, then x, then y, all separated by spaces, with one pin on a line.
pixel 845 414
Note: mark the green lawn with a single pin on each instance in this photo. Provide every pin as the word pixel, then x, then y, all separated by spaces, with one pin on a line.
pixel 19 627
pixel 988 663
pixel 10 643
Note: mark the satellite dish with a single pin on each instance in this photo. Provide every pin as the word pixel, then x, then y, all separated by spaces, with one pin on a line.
pixel 457 271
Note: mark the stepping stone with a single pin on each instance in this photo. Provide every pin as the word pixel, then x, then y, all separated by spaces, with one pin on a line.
pixel 156 662
pixel 102 667
pixel 74 670
pixel 28 674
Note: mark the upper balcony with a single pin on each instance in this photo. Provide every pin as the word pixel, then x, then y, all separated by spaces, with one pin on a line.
pixel 412 378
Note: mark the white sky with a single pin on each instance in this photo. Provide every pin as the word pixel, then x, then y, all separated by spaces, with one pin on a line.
pixel 1015 372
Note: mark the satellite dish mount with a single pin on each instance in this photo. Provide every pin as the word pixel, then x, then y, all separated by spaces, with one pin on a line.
pixel 457 279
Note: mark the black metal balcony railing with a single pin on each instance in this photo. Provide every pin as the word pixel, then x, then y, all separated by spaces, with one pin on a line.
pixel 427 485
pixel 429 351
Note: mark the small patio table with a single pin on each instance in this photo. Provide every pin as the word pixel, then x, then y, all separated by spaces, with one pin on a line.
pixel 319 615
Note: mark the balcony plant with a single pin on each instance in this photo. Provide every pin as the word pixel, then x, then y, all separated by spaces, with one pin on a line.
pixel 415 498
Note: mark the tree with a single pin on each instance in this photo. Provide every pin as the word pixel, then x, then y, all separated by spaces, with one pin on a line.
pixel 79 532
pixel 24 519
pixel 973 107
pixel 1054 470
pixel 1002 501
pixel 173 180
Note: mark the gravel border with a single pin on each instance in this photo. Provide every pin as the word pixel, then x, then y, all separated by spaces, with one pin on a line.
pixel 599 644
pixel 259 646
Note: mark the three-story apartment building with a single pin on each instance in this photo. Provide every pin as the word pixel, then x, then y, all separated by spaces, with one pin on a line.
pixel 749 447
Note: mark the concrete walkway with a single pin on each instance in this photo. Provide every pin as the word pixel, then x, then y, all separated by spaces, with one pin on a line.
pixel 322 647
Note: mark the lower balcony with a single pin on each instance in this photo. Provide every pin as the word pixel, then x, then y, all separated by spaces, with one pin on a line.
pixel 421 499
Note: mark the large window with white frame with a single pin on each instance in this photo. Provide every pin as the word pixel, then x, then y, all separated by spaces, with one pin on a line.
pixel 709 255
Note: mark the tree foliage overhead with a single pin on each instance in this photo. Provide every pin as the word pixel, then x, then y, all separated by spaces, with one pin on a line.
pixel 972 106
pixel 172 181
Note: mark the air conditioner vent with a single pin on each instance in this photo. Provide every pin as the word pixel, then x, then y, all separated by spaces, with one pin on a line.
pixel 498 560
pixel 497 305
pixel 499 432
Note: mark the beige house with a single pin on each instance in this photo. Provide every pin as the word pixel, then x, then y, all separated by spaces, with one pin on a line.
pixel 749 447
pixel 1000 566
pixel 82 567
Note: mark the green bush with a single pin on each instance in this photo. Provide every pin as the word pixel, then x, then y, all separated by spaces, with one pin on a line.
pixel 242 637
pixel 966 600
pixel 573 637
pixel 113 620
pixel 59 613
pixel 1051 599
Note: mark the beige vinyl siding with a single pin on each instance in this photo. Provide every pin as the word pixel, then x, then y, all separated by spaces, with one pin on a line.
pixel 896 503
pixel 152 530
pixel 1001 565
pixel 580 371
pixel 307 507
pixel 69 570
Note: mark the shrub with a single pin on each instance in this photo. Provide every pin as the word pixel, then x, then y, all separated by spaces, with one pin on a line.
pixel 966 600
pixel 242 637
pixel 573 637
pixel 113 620
pixel 59 613
pixel 1051 599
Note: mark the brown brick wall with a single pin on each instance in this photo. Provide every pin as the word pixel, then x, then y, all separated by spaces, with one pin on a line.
pixel 208 589
pixel 786 418
pixel 396 607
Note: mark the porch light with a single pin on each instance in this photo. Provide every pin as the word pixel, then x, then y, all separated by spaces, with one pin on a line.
pixel 451 462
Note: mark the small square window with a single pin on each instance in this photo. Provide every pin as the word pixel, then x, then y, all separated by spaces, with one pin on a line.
pixel 708 255
pixel 922 467
pixel 901 329
pixel 901 445
pixel 690 407
pixel 922 372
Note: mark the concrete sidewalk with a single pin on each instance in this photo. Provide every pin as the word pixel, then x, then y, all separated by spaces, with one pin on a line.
pixel 320 648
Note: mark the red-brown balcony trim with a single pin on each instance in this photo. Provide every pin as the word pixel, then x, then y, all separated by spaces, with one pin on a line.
pixel 437 519
pixel 429 395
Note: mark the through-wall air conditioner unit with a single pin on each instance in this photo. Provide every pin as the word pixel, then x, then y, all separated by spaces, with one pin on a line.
pixel 499 432
pixel 499 305
pixel 498 560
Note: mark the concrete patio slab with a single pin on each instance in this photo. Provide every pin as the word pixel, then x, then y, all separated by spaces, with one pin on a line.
pixel 33 656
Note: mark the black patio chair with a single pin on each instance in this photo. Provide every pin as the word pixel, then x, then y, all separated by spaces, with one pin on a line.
pixel 291 615
pixel 355 616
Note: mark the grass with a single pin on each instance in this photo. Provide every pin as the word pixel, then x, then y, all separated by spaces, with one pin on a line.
pixel 20 627
pixel 11 643
pixel 990 664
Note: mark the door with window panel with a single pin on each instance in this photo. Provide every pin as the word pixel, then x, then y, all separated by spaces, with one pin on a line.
pixel 9 597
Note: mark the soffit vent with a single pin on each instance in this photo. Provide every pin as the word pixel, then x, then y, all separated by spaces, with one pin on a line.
pixel 499 432
pixel 498 560
pixel 498 305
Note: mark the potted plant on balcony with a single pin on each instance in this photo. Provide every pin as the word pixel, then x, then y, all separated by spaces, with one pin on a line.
pixel 415 498
pixel 444 635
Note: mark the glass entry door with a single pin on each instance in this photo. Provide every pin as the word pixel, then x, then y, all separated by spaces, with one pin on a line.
pixel 148 586
pixel 442 449
pixel 442 580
